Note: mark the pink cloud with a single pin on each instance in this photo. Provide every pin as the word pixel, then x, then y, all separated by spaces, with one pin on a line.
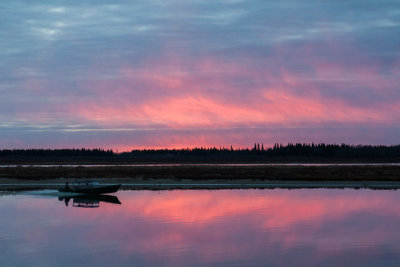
pixel 173 92
pixel 208 93
pixel 274 107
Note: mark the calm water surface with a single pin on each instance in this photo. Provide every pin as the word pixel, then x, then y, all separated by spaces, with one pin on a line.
pixel 201 164
pixel 304 227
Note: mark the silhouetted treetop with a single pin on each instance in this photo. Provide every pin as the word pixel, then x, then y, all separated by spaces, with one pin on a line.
pixel 258 153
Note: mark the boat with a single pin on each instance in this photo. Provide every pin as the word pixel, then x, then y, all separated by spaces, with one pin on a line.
pixel 89 188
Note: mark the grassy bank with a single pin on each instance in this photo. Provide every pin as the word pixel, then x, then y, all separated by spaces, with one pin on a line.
pixel 193 172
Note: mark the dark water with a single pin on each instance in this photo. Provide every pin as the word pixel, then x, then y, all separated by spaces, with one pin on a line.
pixel 304 227
pixel 203 164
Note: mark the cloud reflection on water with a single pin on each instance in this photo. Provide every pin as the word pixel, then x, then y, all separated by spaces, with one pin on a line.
pixel 182 227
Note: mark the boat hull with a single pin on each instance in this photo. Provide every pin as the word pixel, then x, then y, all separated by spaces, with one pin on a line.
pixel 96 190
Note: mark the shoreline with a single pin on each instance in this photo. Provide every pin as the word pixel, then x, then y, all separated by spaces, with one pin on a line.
pixel 180 173
pixel 171 184
pixel 200 176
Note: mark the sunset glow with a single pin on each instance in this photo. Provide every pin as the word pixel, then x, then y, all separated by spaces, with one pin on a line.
pixel 187 74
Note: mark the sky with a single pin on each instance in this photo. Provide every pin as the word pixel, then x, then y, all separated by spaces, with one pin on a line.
pixel 173 74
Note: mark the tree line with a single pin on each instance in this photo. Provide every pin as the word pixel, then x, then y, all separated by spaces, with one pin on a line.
pixel 83 152
pixel 258 153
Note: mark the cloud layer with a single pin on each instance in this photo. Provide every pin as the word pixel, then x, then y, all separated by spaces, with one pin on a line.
pixel 156 74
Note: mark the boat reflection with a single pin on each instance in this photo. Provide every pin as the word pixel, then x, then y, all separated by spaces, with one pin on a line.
pixel 89 201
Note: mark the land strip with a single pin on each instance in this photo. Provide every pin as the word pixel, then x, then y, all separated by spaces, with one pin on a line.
pixel 9 185
pixel 206 176
pixel 207 172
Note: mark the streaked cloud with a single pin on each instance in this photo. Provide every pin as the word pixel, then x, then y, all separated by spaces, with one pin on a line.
pixel 198 68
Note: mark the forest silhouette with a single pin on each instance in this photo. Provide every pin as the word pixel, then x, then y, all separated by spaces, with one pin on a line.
pixel 298 152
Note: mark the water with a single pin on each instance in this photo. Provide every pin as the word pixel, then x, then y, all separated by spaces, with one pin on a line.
pixel 280 227
pixel 202 164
